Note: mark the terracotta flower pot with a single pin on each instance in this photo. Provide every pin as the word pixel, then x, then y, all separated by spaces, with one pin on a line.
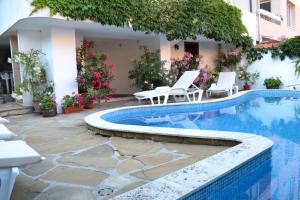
pixel 247 87
pixel 73 109
pixel 50 112
pixel 89 105
pixel 36 107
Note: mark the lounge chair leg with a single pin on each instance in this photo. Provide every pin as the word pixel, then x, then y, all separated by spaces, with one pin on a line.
pixel 8 178
pixel 152 102
pixel 166 99
pixel 158 100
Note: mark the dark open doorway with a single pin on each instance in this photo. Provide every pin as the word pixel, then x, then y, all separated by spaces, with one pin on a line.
pixel 192 47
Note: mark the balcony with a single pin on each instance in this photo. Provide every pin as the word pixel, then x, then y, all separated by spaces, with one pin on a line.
pixel 268 16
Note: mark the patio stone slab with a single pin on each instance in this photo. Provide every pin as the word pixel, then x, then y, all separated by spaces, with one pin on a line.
pixel 162 170
pixel 70 144
pixel 67 193
pixel 155 159
pixel 129 165
pixel 75 176
pixel 134 147
pixel 26 188
pixel 39 168
pixel 97 157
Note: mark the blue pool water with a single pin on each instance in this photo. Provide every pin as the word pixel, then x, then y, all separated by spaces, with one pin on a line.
pixel 273 115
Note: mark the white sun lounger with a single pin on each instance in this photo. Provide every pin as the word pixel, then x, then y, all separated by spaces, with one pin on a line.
pixel 225 83
pixel 14 154
pixel 183 87
pixel 6 134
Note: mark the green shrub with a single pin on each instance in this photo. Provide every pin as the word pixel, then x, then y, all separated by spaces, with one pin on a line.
pixel 148 71
pixel 272 83
pixel 47 103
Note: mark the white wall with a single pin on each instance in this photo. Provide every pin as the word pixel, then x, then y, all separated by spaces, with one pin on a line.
pixel 269 67
pixel 58 46
pixel 250 21
pixel 121 52
pixel 63 69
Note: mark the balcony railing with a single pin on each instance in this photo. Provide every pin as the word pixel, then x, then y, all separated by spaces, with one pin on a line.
pixel 270 16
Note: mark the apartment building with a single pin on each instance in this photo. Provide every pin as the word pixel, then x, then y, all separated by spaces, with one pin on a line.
pixel 275 19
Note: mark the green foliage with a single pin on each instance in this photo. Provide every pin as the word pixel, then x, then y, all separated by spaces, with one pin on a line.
pixel 34 73
pixel 42 90
pixel 272 83
pixel 254 54
pixel 229 60
pixel 247 77
pixel 73 100
pixel 291 47
pixel 176 19
pixel 47 103
pixel 148 71
pixel 297 68
pixel 94 72
pixel 288 48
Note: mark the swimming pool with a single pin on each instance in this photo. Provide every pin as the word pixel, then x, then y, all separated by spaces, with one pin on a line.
pixel 273 114
pixel 277 118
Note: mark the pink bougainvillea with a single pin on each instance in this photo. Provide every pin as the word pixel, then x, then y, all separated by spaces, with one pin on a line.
pixel 94 73
pixel 189 63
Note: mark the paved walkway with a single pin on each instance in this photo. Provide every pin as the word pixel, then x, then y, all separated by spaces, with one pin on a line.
pixel 80 165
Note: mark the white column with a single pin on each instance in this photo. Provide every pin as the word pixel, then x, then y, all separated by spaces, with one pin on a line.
pixel 166 51
pixel 28 40
pixel 62 69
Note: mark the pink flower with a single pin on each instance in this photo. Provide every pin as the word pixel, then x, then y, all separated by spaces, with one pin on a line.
pixel 106 83
pixel 97 75
pixel 109 73
pixel 94 55
pixel 111 66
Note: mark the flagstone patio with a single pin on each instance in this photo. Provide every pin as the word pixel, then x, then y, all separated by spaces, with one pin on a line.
pixel 80 165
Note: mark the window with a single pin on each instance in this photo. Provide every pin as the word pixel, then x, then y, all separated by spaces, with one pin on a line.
pixel 192 47
pixel 265 5
pixel 290 14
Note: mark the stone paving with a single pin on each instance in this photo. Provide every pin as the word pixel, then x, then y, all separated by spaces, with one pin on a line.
pixel 80 165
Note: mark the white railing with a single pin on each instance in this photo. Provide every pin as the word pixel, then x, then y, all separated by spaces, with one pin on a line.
pixel 270 16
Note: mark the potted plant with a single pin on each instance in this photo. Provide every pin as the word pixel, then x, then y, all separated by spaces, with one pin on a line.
pixel 272 83
pixel 89 97
pixel 48 106
pixel 73 103
pixel 248 78
pixel 33 76
pixel 41 91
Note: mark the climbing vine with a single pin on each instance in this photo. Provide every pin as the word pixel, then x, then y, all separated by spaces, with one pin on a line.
pixel 176 19
pixel 288 48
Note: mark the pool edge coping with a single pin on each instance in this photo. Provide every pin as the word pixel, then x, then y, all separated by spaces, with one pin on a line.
pixel 182 182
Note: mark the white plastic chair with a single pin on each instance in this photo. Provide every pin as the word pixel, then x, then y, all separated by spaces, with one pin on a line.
pixel 225 83
pixel 183 87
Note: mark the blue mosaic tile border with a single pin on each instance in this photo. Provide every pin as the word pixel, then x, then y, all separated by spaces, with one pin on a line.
pixel 199 107
pixel 218 185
